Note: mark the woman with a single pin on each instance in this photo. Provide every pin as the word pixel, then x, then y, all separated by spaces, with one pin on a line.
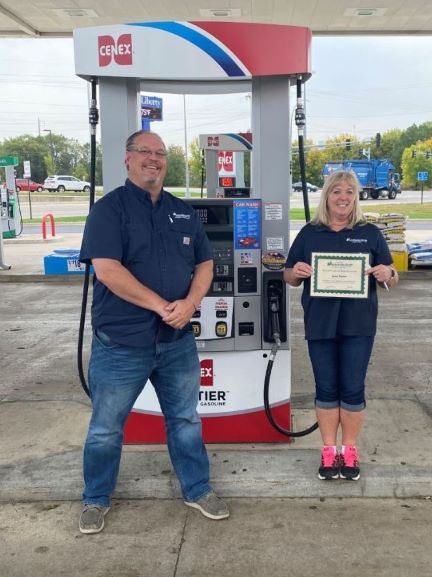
pixel 340 331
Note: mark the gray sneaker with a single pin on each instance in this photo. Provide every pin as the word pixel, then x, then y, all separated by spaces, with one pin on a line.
pixel 92 519
pixel 210 506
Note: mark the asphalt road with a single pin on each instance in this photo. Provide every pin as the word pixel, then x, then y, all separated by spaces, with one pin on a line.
pixel 80 207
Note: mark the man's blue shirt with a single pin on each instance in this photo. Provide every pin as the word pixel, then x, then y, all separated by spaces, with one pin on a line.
pixel 159 244
pixel 328 317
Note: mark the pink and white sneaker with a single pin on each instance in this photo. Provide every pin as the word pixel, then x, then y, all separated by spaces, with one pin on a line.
pixel 329 464
pixel 350 464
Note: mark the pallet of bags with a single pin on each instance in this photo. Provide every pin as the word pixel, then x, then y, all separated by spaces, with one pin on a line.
pixel 420 253
pixel 393 227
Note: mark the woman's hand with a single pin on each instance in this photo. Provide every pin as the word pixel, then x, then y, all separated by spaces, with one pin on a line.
pixel 302 270
pixel 381 272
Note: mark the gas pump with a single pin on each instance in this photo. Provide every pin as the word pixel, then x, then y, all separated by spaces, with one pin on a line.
pixel 226 184
pixel 4 218
pixel 244 319
pixel 9 200
pixel 8 210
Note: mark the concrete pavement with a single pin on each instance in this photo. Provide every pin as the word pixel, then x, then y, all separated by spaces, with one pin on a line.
pixel 284 521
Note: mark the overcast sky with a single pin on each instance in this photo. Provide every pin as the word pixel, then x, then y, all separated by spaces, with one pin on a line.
pixel 359 85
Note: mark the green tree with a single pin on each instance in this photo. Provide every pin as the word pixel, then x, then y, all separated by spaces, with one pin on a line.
pixel 66 153
pixel 195 163
pixel 334 149
pixel 408 137
pixel 52 154
pixel 411 165
pixel 27 147
pixel 82 169
pixel 315 161
pixel 389 147
pixel 295 163
pixel 176 172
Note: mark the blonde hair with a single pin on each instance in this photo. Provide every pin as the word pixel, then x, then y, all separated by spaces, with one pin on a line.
pixel 322 215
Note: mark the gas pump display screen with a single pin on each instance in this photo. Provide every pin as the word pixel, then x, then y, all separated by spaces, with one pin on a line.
pixel 219 215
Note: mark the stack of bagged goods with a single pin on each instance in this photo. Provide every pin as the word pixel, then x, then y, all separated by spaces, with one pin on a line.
pixel 372 217
pixel 420 253
pixel 393 226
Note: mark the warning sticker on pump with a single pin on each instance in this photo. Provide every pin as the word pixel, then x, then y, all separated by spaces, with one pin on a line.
pixel 273 260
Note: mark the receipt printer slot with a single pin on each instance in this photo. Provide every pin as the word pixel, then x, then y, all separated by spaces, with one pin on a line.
pixel 246 329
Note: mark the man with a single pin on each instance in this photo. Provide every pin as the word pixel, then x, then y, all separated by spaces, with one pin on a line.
pixel 153 265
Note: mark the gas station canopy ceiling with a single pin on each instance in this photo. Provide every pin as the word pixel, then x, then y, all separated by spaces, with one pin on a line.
pixel 33 18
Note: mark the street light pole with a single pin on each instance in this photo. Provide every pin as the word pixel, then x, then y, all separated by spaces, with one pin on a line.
pixel 51 147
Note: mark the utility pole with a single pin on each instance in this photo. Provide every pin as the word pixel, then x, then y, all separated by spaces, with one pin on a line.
pixel 51 148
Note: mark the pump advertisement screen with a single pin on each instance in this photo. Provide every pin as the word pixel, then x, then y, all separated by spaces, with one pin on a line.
pixel 247 224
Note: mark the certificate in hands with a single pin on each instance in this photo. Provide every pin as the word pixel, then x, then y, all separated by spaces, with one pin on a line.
pixel 337 274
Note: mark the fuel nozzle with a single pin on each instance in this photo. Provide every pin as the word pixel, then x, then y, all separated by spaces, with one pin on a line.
pixel 275 296
pixel 300 115
pixel 93 110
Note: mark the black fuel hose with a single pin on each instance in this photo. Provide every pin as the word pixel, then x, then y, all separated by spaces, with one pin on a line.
pixel 274 316
pixel 267 407
pixel 18 205
pixel 93 121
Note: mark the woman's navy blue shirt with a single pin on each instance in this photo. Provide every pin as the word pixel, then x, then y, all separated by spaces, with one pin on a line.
pixel 328 317
pixel 159 244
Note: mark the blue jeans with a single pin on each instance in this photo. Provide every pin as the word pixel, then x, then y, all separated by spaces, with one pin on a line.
pixel 117 375
pixel 340 367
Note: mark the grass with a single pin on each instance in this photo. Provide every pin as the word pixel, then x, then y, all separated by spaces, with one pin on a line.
pixel 58 220
pixel 412 211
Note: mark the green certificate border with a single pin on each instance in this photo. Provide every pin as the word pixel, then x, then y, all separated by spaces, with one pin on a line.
pixel 362 292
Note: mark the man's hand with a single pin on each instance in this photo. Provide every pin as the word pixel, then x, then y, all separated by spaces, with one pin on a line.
pixel 178 313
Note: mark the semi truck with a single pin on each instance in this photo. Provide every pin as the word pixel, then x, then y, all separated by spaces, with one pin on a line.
pixel 377 177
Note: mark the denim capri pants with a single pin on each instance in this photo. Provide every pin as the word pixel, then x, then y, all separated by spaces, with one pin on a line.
pixel 340 365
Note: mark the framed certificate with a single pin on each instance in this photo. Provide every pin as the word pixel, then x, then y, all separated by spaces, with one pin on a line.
pixel 337 274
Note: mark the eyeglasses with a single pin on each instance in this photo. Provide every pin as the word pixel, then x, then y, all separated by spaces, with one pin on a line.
pixel 146 152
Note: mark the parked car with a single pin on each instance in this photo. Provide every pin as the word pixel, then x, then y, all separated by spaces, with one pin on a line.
pixel 65 182
pixel 298 187
pixel 26 184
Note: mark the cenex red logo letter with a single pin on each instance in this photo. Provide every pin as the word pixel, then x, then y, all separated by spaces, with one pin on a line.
pixel 120 51
pixel 226 161
pixel 206 372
